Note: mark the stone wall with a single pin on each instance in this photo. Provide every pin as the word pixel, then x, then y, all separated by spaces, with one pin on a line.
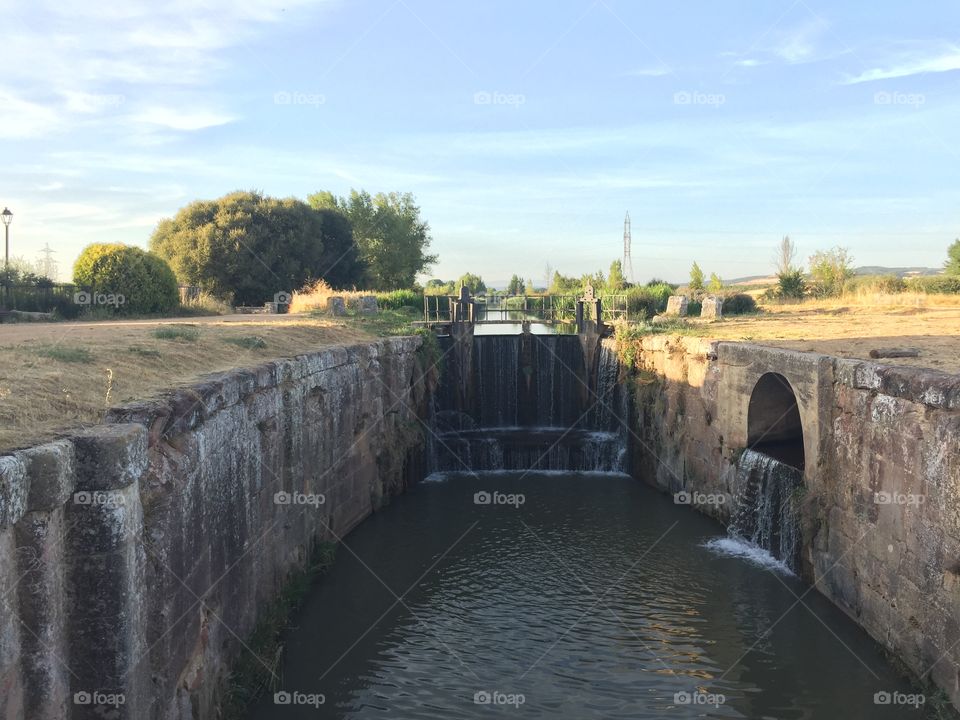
pixel 135 555
pixel 881 515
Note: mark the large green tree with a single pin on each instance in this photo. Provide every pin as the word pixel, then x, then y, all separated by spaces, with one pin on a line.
pixel 392 238
pixel 473 283
pixel 616 282
pixel 247 247
pixel 696 278
pixel 516 285
pixel 953 258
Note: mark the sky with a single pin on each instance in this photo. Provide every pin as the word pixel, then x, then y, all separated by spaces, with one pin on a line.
pixel 525 129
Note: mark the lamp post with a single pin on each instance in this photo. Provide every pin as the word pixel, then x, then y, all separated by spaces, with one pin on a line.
pixel 7 218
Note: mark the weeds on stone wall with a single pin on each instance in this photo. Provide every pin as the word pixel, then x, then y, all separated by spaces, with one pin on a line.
pixel 255 672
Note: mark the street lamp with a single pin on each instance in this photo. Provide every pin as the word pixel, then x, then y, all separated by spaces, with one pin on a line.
pixel 7 217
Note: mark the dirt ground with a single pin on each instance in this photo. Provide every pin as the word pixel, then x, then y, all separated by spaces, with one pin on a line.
pixel 57 376
pixel 853 331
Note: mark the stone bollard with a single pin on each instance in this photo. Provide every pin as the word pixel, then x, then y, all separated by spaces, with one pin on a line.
pixel 13 502
pixel 712 308
pixel 368 305
pixel 677 305
pixel 336 306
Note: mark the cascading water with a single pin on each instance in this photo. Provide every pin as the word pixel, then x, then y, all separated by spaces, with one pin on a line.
pixel 767 508
pixel 525 402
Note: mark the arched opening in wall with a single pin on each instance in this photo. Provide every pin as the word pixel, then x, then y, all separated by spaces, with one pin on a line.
pixel 773 421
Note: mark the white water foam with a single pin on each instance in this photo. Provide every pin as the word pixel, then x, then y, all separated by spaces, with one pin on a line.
pixel 735 547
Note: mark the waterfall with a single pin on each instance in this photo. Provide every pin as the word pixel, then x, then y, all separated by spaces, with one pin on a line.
pixel 525 403
pixel 767 507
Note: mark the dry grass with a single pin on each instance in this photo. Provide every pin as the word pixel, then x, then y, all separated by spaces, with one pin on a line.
pixel 315 297
pixel 58 376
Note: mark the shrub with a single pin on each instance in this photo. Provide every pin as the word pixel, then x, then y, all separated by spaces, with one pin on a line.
pixel 876 284
pixel 935 284
pixel 739 304
pixel 648 301
pixel 400 298
pixel 830 269
pixel 790 284
pixel 694 307
pixel 126 279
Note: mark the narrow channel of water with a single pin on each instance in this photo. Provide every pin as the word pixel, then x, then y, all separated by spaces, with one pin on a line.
pixel 593 598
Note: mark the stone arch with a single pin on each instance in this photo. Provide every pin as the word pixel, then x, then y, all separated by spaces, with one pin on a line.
pixel 773 420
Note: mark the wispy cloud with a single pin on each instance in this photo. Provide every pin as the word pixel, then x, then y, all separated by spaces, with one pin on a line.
pixel 944 61
pixel 182 120
pixel 658 71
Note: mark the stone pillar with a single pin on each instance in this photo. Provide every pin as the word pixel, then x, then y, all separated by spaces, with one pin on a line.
pixel 677 305
pixel 712 308
pixel 368 305
pixel 105 582
pixel 13 501
pixel 336 306
pixel 41 536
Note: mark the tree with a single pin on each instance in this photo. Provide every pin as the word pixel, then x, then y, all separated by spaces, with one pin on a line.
pixel 248 247
pixel 528 288
pixel 473 283
pixel 696 278
pixel 515 287
pixel 785 256
pixel 716 284
pixel 391 236
pixel 953 258
pixel 616 282
pixel 563 285
pixel 126 278
pixel 830 270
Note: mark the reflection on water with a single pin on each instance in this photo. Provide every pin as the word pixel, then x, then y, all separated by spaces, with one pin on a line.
pixel 586 595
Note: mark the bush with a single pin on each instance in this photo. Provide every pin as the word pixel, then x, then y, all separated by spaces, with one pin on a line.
pixel 694 307
pixel 935 284
pixel 876 284
pixel 399 299
pixel 739 304
pixel 126 279
pixel 790 284
pixel 648 301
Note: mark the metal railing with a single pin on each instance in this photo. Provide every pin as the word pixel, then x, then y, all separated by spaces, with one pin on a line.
pixel 518 308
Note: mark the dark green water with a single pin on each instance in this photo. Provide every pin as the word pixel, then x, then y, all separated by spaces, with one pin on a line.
pixel 595 598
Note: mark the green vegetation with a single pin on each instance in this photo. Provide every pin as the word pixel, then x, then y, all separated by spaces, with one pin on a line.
pixel 696 279
pixel 248 342
pixel 934 284
pixel 953 258
pixel 258 670
pixel 143 352
pixel 739 304
pixel 124 279
pixel 63 353
pixel 649 300
pixel 391 237
pixel 400 299
pixel 715 285
pixel 830 270
pixel 187 333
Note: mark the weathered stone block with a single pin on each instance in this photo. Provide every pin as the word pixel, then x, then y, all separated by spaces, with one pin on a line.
pixel 50 469
pixel 336 306
pixel 712 308
pixel 14 490
pixel 110 456
pixel 368 305
pixel 677 305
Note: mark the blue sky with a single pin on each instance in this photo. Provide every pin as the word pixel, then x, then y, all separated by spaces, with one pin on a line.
pixel 525 129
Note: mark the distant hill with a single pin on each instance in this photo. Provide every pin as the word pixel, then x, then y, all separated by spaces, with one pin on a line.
pixel 862 270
